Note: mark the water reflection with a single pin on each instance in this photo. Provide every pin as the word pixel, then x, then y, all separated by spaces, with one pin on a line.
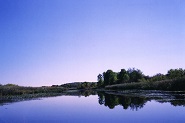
pixel 130 99
pixel 135 101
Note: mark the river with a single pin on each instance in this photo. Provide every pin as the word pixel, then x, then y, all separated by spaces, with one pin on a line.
pixel 97 108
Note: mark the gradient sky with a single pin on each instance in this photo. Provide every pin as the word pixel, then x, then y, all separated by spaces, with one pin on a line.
pixel 45 42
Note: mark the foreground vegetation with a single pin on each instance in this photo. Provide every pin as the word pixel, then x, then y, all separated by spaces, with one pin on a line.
pixel 11 89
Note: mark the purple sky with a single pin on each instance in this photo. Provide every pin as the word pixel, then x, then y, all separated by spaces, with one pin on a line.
pixel 45 42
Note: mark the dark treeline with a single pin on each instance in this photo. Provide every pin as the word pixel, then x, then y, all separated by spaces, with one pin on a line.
pixel 79 85
pixel 136 76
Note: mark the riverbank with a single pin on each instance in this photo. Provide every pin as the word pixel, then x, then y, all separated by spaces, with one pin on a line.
pixel 11 90
pixel 15 92
pixel 166 85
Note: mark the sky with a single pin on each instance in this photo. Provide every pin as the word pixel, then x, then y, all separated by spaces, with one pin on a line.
pixel 47 42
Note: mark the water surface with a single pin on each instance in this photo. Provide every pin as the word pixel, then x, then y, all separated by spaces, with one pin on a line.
pixel 101 108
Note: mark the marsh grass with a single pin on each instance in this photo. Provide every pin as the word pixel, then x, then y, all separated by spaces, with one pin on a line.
pixel 7 90
pixel 170 85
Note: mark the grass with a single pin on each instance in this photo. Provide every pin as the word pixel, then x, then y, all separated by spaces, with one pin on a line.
pixel 169 85
pixel 8 90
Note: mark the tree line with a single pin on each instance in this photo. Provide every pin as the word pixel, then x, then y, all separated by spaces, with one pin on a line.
pixel 135 75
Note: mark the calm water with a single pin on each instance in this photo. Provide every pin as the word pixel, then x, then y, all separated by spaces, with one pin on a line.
pixel 92 109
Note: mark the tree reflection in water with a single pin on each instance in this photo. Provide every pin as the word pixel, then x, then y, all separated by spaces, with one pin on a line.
pixel 135 102
pixel 110 100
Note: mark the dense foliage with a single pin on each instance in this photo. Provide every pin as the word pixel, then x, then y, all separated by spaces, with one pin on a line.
pixel 173 80
pixel 79 85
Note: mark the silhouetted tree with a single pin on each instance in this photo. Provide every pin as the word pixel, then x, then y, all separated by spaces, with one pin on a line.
pixel 175 73
pixel 135 75
pixel 100 80
pixel 158 77
pixel 123 76
pixel 110 77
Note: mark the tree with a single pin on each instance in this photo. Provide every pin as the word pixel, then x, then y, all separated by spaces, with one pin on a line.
pixel 123 76
pixel 158 77
pixel 135 75
pixel 110 77
pixel 175 73
pixel 100 80
pixel 84 85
